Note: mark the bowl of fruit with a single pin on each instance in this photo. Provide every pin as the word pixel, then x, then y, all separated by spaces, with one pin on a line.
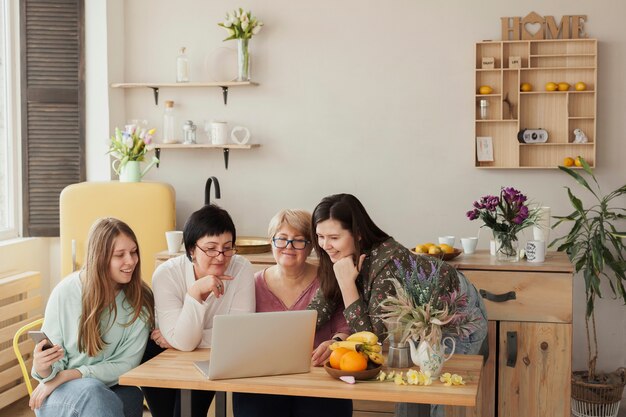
pixel 441 251
pixel 359 356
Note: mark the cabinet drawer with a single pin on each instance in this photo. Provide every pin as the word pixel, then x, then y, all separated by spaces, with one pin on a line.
pixel 539 296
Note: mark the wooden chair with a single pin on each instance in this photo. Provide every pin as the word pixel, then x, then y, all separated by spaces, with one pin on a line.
pixel 16 340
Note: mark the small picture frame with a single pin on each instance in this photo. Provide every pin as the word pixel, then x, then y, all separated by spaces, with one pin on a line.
pixel 484 149
pixel 488 62
pixel 515 62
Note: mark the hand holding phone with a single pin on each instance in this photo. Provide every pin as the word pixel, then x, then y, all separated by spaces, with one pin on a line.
pixel 38 336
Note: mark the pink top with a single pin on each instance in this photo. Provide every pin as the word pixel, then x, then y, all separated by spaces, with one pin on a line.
pixel 266 301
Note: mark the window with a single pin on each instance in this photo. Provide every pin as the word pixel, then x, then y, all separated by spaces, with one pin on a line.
pixel 8 136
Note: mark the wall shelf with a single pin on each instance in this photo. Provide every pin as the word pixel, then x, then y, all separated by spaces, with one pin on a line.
pixel 224 85
pixel 181 146
pixel 558 112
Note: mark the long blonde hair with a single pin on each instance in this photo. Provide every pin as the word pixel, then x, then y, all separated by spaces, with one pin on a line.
pixel 98 296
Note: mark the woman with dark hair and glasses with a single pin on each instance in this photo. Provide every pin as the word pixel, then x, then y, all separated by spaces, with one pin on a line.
pixel 290 285
pixel 190 290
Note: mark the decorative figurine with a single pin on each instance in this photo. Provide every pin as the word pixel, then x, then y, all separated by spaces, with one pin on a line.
pixel 580 136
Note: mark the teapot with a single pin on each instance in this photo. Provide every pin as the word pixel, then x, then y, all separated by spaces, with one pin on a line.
pixel 130 171
pixel 430 357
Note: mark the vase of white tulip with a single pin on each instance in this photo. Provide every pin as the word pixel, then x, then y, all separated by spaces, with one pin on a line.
pixel 242 26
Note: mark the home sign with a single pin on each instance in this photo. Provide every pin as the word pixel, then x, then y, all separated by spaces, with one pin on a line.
pixel 537 27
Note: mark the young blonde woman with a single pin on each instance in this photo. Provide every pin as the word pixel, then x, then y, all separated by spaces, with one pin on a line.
pixel 98 319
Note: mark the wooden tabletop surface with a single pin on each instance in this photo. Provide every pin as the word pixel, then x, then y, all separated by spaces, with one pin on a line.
pixel 175 369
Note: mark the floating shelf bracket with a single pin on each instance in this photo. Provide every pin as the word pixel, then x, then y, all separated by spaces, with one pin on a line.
pixel 225 95
pixel 155 90
pixel 226 153
pixel 157 153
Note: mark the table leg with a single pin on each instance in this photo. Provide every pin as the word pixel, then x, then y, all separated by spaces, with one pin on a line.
pixel 220 404
pixel 185 403
pixel 412 410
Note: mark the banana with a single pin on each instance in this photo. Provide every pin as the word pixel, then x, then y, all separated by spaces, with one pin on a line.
pixel 352 345
pixel 376 357
pixel 372 348
pixel 365 337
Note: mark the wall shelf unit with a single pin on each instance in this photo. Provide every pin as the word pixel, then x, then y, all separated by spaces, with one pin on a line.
pixel 181 146
pixel 224 85
pixel 558 112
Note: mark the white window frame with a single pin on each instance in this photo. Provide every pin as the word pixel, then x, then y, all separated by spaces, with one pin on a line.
pixel 11 39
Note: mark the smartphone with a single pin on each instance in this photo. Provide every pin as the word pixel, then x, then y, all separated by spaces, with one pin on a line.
pixel 38 336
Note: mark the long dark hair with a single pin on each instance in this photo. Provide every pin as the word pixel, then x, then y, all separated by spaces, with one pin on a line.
pixel 350 213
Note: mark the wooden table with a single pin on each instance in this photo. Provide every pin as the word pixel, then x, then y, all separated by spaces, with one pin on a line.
pixel 175 369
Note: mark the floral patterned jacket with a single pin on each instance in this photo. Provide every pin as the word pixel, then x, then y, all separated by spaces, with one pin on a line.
pixel 374 285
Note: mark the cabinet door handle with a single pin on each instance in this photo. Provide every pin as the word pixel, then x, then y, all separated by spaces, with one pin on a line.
pixel 498 298
pixel 511 349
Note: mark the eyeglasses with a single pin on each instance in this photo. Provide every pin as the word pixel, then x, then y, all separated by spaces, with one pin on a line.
pixel 214 253
pixel 282 243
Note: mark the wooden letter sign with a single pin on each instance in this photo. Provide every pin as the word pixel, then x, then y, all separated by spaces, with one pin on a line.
pixel 515 62
pixel 535 27
pixel 488 62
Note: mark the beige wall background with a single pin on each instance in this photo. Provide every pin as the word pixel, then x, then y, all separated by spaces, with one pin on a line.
pixel 366 97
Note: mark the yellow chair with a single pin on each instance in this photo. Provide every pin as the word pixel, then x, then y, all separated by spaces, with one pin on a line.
pixel 18 354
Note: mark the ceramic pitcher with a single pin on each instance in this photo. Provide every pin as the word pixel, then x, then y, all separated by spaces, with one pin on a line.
pixel 431 357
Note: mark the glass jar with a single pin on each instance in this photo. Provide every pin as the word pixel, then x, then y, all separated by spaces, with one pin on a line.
pixel 182 67
pixel 189 133
pixel 484 106
pixel 168 123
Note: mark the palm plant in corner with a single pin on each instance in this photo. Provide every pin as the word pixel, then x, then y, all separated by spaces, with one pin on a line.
pixel 596 249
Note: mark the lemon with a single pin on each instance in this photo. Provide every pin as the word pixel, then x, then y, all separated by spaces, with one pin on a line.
pixel 424 249
pixel 580 86
pixel 578 162
pixel 434 250
pixel 428 245
pixel 485 89
pixel 551 86
pixel 568 161
pixel 564 86
pixel 526 87
pixel 445 248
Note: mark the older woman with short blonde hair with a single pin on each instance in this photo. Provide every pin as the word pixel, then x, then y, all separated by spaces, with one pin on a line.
pixel 290 285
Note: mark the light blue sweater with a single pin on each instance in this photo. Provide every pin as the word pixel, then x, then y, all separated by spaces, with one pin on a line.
pixel 124 345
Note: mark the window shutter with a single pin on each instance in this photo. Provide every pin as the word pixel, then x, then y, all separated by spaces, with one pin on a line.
pixel 53 109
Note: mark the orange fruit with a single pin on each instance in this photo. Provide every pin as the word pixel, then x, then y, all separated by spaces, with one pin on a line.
pixel 577 162
pixel 568 162
pixel 353 361
pixel 336 355
pixel 445 248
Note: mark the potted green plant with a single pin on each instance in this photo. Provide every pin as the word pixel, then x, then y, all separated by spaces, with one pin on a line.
pixel 596 249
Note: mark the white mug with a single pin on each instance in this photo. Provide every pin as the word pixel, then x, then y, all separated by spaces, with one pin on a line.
pixel 535 251
pixel 174 241
pixel 448 240
pixel 469 244
pixel 219 133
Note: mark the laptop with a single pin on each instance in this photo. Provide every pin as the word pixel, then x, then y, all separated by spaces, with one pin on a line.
pixel 260 344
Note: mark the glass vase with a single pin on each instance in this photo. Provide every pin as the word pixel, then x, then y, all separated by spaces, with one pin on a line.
pixel 506 246
pixel 243 60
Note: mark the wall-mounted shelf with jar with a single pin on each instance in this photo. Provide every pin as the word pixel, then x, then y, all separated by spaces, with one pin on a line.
pixel 224 85
pixel 535 63
pixel 181 146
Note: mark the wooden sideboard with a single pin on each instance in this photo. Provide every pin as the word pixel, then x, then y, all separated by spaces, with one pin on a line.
pixel 529 307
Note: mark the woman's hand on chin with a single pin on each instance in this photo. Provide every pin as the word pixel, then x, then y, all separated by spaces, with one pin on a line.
pixel 346 271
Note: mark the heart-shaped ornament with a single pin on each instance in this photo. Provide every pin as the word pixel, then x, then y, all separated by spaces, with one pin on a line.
pixel 240 135
pixel 532 28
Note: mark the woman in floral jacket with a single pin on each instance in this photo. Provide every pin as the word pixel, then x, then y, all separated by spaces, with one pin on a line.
pixel 358 263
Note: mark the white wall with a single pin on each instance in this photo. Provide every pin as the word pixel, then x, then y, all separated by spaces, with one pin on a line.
pixel 367 97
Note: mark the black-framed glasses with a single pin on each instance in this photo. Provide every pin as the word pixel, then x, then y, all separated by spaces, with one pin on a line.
pixel 214 253
pixel 282 243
